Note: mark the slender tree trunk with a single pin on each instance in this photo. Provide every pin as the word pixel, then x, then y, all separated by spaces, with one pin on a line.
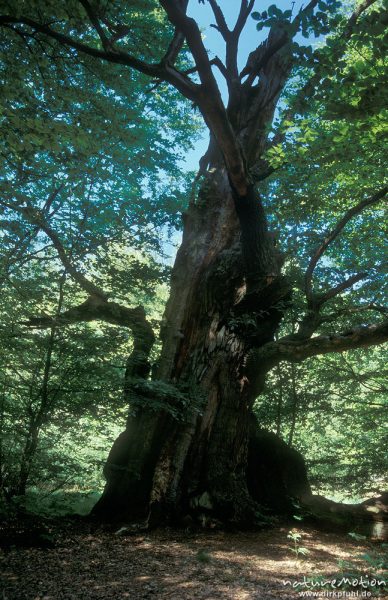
pixel 39 415
pixel 295 404
pixel 279 404
pixel 2 425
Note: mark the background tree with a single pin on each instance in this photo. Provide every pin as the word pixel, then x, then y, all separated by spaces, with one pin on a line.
pixel 229 295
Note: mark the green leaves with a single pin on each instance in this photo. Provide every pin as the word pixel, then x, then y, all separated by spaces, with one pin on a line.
pixel 272 16
pixel 95 151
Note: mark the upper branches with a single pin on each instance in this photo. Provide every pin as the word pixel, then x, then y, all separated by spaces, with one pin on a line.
pixel 352 21
pixel 209 98
pixel 315 301
pixel 232 38
pixel 223 123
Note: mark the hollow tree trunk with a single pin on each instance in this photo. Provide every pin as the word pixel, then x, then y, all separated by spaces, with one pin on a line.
pixel 216 312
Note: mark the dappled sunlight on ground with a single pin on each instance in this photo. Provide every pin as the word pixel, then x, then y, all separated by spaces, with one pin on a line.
pixel 175 565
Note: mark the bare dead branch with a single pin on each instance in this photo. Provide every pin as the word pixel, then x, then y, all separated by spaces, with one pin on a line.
pixel 245 10
pixel 220 19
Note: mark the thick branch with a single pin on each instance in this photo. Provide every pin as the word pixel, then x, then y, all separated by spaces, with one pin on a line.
pixel 355 210
pixel 174 48
pixel 232 42
pixel 245 10
pixel 155 70
pixel 231 38
pixel 176 43
pixel 94 309
pixel 191 31
pixel 299 350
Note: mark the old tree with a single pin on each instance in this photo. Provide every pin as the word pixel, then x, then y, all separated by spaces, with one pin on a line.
pixel 225 324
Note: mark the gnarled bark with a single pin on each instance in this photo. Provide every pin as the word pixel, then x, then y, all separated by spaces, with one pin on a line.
pixel 210 326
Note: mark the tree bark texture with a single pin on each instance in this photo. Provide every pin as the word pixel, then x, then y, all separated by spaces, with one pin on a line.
pixel 217 311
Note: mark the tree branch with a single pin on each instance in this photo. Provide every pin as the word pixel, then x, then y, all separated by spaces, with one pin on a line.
pixel 106 44
pixel 245 10
pixel 232 41
pixel 259 58
pixel 98 309
pixel 338 51
pixel 207 95
pixel 220 19
pixel 209 98
pixel 155 70
pixel 352 21
pixel 355 210
pixel 299 350
pixel 352 310
pixel 176 43
pixel 35 217
pixel 174 48
pixel 338 289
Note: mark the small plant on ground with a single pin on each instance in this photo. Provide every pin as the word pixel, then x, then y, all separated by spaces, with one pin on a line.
pixel 298 550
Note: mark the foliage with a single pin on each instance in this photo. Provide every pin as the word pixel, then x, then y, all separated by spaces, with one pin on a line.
pixel 91 153
pixel 330 397
pixel 87 148
pixel 331 155
pixel 298 550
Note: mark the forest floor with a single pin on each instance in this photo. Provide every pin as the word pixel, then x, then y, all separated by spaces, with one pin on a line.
pixel 87 564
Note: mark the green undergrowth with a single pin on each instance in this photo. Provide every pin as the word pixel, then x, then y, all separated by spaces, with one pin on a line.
pixel 60 503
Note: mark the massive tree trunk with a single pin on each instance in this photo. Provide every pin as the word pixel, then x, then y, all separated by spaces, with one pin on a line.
pixel 216 312
pixel 227 297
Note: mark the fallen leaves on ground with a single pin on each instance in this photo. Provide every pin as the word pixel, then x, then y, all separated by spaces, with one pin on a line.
pixel 175 565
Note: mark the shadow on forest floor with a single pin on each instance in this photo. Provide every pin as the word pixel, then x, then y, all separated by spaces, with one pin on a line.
pixel 169 564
